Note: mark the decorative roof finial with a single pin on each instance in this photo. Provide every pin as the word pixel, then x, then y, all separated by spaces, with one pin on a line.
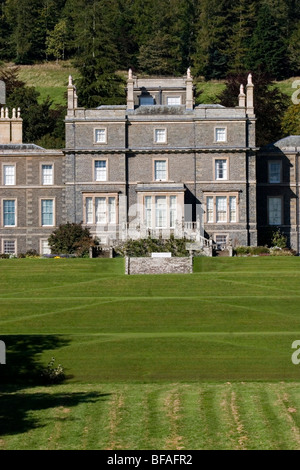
pixel 70 80
pixel 250 79
pixel 130 74
pixel 189 73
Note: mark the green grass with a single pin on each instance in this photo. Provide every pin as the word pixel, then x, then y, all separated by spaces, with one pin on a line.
pixel 224 416
pixel 51 79
pixel 200 361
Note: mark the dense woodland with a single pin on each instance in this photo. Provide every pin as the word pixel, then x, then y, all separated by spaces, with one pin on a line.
pixel 218 39
pixel 214 37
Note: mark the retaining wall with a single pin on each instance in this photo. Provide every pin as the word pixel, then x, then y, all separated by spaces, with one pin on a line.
pixel 159 265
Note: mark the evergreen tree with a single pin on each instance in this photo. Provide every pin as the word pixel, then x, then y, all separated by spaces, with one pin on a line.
pixel 210 57
pixel 268 49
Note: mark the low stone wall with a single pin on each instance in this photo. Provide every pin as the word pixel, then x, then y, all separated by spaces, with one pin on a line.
pixel 159 265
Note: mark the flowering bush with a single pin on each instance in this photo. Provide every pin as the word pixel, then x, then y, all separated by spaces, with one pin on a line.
pixel 52 374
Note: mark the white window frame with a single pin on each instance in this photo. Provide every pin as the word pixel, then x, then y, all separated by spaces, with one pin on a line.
pixel 174 98
pixel 217 140
pixel 110 213
pixel 158 132
pixel 15 212
pixel 219 170
pixel 9 241
pixel 150 211
pixel 103 139
pixel 42 249
pixel 96 172
pixel 158 160
pixel 11 165
pixel 43 174
pixel 211 212
pixel 53 211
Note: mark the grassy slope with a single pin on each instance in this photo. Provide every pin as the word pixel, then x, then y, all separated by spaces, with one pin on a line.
pixel 199 361
pixel 52 79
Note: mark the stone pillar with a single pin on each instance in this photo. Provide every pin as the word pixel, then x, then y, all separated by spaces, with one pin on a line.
pixel 250 96
pixel 16 127
pixel 4 127
pixel 189 103
pixel 242 97
pixel 130 86
pixel 71 96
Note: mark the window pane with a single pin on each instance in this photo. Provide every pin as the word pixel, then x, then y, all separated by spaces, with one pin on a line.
pixel 89 210
pixel 9 216
pixel 47 174
pixel 148 211
pixel 274 172
pixel 221 207
pixel 100 207
pixel 221 169
pixel 146 100
pixel 9 174
pixel 275 206
pixel 173 100
pixel 112 210
pixel 210 209
pixel 100 135
pixel 173 211
pixel 160 170
pixel 160 135
pixel 47 212
pixel 46 250
pixel 9 247
pixel 161 211
pixel 232 209
pixel 100 170
pixel 220 134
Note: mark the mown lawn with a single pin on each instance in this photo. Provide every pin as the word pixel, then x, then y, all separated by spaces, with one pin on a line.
pixel 233 416
pixel 154 362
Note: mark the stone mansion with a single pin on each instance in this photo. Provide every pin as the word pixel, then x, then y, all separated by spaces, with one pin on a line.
pixel 157 166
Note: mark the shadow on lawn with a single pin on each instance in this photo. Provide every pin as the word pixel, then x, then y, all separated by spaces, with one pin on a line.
pixel 23 369
pixel 16 408
pixel 23 353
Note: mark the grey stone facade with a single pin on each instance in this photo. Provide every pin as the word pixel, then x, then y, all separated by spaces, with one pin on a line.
pixel 161 126
pixel 278 177
pixel 157 166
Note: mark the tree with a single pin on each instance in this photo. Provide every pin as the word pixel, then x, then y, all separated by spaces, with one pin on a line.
pixel 291 121
pixel 42 124
pixel 71 238
pixel 268 47
pixel 269 104
pixel 56 41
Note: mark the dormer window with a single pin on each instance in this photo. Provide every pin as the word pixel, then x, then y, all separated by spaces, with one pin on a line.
pixel 146 100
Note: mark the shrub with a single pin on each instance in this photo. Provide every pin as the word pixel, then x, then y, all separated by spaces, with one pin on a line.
pixel 32 254
pixel 279 239
pixel 52 374
pixel 251 250
pixel 146 246
pixel 71 238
